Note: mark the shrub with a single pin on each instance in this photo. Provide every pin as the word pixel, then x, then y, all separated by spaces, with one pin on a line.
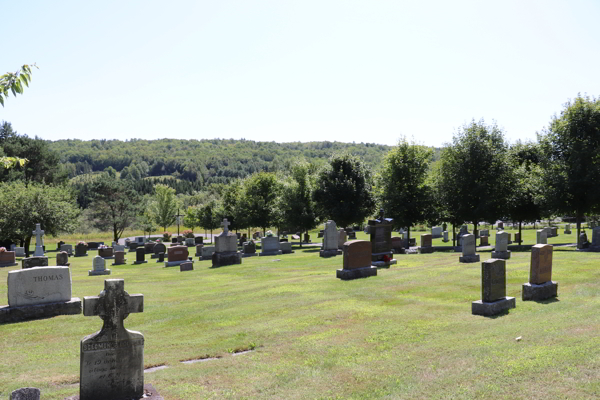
pixel 188 233
pixel 166 236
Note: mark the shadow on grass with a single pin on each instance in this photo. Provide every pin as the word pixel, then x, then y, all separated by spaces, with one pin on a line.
pixel 310 251
pixel 547 301
pixel 502 314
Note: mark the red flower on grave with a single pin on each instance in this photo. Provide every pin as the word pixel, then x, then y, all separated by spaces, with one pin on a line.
pixel 386 258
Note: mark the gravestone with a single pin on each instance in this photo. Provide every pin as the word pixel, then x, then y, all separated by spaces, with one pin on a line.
pixel 249 249
pixel 106 252
pixel 39 241
pixel 342 238
pixel 161 257
pixel 509 238
pixel 517 237
pixel 99 267
pixel 190 242
pixel 58 244
pixel 501 225
pixel 554 231
pixel 583 240
pixel 119 258
pixel 463 231
pixel 541 237
pixel 567 230
pixel 173 240
pixel 207 252
pixel 330 240
pixel 286 248
pixel 20 251
pixel 176 255
pixel 112 359
pixel 436 232
pixel 483 241
pixel 501 250
pixel 31 262
pixel 29 393
pixel 39 292
pixel 186 266
pixel 8 259
pixel 445 239
pixel 380 232
pixel 148 247
pixel 132 247
pixel 157 249
pixel 398 245
pixel 140 240
pixel 493 288
pixel 140 256
pixel 118 247
pixel 199 240
pixel 320 233
pixel 243 239
pixel 270 246
pixel 62 259
pixel 95 245
pixel 226 248
pixel 351 235
pixel 468 250
pixel 595 246
pixel 357 261
pixel 68 248
pixel 199 250
pixel 484 232
pixel 540 285
pixel 426 246
pixel 307 238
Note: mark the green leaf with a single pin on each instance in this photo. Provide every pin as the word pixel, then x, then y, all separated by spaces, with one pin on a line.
pixel 1 101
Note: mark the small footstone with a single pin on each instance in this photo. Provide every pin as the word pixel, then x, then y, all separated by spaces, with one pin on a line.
pixel 186 266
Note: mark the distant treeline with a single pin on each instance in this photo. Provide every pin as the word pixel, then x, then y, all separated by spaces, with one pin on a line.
pixel 204 162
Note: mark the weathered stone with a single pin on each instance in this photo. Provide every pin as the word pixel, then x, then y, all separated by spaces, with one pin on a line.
pixel 157 249
pixel 445 239
pixel 62 259
pixel 501 225
pixel 226 258
pixel 8 259
pixel 81 250
pixel 45 310
pixel 398 245
pixel 176 255
pixel 270 246
pixel 426 246
pixel 468 250
pixel 68 248
pixel 286 248
pixel 32 262
pixel 94 245
pixel 99 267
pixel 539 292
pixel 39 285
pixel 517 237
pixel 225 243
pixel 595 245
pixel 380 232
pixel 501 250
pixel 541 237
pixel 436 232
pixel 199 250
pixel 493 280
pixel 489 309
pixel 541 264
pixel 342 238
pixel 207 252
pixel 484 232
pixel 29 393
pixel 20 251
pixel 119 258
pixel 112 359
pixel 483 241
pixel 199 240
pixel 249 249
pixel 161 257
pixel 39 241
pixel 140 255
pixel 186 266
pixel 567 230
pixel 330 240
pixel 149 247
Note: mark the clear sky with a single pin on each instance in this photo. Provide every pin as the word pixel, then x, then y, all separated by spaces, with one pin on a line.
pixel 364 71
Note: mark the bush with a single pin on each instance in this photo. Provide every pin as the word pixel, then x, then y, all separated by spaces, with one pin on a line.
pixel 188 233
pixel 166 236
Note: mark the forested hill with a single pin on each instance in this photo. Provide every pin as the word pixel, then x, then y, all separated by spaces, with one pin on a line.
pixel 202 161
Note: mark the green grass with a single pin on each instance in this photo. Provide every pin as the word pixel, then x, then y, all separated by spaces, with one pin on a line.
pixel 406 334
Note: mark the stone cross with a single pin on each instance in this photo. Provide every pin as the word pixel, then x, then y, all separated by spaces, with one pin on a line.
pixel 39 244
pixel 112 359
pixel 225 225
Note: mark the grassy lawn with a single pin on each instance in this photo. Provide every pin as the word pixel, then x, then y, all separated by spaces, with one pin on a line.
pixel 406 334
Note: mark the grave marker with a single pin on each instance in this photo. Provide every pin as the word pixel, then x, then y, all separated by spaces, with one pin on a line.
pixel 468 250
pixel 357 261
pixel 540 285
pixel 493 288
pixel 501 250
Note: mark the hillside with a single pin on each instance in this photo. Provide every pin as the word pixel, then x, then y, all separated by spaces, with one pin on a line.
pixel 200 161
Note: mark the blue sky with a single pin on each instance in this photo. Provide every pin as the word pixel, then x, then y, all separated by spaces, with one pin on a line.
pixel 364 71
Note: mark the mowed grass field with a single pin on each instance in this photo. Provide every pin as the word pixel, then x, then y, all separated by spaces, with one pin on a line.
pixel 406 334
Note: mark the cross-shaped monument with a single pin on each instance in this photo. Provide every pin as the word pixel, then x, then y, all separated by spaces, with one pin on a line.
pixel 225 224
pixel 178 219
pixel 112 359
pixel 39 242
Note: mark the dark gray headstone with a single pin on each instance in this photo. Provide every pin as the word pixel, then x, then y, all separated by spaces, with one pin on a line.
pixel 140 255
pixel 28 393
pixel 493 280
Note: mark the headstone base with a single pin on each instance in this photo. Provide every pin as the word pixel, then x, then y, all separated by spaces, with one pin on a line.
pixel 123 263
pixel 271 253
pixel 540 292
pixel 226 258
pixel 204 258
pixel 34 261
pixel 149 394
pixel 594 248
pixel 504 255
pixel 109 258
pixel 81 255
pixel 567 232
pixel 425 250
pixel 154 255
pixel 470 259
pixel 480 307
pixel 92 272
pixel 139 262
pixel 445 241
pixel 330 253
pixel 384 264
pixel 9 264
pixel 436 236
pixel 349 274
pixel 174 263
pixel 23 313
pixel 249 254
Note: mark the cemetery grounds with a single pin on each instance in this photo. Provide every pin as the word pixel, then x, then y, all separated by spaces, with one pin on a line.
pixel 407 333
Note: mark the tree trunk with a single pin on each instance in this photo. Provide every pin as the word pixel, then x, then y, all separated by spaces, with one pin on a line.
pixel 27 244
pixel 453 235
pixel 579 244
pixel 115 233
pixel 520 234
pixel 408 238
pixel 475 230
pixel 211 236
